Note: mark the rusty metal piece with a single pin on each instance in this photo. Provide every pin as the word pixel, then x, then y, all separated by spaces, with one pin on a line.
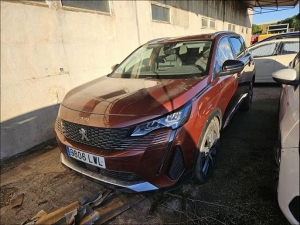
pixel 58 214
pixel 17 201
pixel 90 219
pixel 97 202
pixel 117 205
pixel 97 209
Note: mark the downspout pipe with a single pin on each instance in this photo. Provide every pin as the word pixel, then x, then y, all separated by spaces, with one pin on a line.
pixel 223 1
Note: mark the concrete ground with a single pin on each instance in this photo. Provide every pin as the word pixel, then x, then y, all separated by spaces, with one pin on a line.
pixel 239 192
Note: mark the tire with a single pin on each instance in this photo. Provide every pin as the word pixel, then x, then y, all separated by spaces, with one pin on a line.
pixel 246 104
pixel 208 147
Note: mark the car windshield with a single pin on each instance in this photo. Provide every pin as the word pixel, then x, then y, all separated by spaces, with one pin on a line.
pixel 166 61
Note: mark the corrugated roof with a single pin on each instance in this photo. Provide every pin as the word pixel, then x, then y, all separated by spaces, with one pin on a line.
pixel 270 3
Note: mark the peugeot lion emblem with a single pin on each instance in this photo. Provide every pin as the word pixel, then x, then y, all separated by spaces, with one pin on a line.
pixel 83 134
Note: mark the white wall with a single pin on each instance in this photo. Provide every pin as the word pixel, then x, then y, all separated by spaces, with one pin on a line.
pixel 46 50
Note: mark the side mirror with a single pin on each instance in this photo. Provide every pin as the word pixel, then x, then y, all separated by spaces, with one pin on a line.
pixel 113 67
pixel 286 76
pixel 232 66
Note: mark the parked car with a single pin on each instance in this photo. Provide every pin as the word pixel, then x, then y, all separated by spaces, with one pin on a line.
pixel 254 39
pixel 287 147
pixel 270 56
pixel 282 36
pixel 155 120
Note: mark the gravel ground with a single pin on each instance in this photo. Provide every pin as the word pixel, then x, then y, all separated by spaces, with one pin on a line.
pixel 239 192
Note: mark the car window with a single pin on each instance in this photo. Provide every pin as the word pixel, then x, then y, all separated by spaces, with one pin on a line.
pixel 223 53
pixel 297 64
pixel 237 46
pixel 289 48
pixel 264 50
pixel 243 43
pixel 167 60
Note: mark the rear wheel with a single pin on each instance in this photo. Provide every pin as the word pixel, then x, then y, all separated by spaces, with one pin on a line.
pixel 208 147
pixel 246 105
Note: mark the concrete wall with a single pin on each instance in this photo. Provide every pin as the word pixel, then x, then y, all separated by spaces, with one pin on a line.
pixel 47 49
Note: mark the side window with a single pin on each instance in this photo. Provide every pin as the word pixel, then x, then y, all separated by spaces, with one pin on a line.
pixel 289 48
pixel 223 53
pixel 263 50
pixel 243 43
pixel 237 46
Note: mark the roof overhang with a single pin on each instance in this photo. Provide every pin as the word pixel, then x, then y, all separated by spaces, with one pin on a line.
pixel 265 6
pixel 270 3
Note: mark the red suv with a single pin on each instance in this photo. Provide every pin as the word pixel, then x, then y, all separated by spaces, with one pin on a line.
pixel 155 120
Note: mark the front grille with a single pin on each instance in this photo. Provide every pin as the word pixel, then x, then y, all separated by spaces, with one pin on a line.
pixel 104 138
pixel 121 176
pixel 176 164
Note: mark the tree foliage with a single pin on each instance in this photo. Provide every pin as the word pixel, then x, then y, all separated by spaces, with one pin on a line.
pixel 294 22
pixel 256 29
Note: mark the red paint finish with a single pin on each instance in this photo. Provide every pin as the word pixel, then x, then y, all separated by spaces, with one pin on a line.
pixel 110 104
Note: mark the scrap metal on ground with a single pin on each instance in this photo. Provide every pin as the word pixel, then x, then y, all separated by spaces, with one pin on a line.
pixel 95 210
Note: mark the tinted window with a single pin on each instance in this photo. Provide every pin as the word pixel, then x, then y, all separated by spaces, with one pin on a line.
pixel 290 48
pixel 236 45
pixel 243 43
pixel 223 53
pixel 263 50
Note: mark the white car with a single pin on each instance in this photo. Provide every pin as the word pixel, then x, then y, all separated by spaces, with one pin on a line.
pixel 287 148
pixel 270 56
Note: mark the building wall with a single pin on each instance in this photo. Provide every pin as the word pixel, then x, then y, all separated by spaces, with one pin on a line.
pixel 47 49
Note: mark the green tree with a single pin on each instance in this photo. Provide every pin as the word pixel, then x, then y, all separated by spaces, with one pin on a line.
pixel 256 29
pixel 294 22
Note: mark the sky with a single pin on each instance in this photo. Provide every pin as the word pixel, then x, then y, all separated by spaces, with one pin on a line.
pixel 274 16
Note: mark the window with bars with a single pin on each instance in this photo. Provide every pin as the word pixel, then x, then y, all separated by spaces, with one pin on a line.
pixel 96 5
pixel 160 13
pixel 231 27
pixel 208 23
pixel 212 24
pixel 204 22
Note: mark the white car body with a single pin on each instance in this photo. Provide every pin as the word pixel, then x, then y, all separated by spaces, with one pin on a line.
pixel 273 55
pixel 288 183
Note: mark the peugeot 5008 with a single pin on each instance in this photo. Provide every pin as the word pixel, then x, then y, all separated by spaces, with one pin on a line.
pixel 155 120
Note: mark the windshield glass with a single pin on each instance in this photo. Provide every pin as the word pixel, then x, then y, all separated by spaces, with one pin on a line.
pixel 167 60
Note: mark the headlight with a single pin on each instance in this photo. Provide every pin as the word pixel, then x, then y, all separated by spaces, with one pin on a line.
pixel 174 120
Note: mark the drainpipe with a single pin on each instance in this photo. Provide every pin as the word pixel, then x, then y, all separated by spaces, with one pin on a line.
pixel 137 24
pixel 223 1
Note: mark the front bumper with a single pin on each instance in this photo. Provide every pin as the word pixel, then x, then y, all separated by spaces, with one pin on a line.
pixel 288 186
pixel 133 186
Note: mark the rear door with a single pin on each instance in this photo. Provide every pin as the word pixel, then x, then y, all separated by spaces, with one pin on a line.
pixel 286 54
pixel 264 56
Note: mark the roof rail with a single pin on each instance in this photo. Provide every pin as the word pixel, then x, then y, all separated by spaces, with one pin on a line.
pixel 222 32
pixel 157 39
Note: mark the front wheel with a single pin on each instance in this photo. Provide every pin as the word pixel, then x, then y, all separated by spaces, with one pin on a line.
pixel 208 147
pixel 246 105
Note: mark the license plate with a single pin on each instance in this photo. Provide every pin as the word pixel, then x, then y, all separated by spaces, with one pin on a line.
pixel 82 156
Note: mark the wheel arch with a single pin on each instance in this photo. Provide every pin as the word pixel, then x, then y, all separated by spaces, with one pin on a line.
pixel 214 113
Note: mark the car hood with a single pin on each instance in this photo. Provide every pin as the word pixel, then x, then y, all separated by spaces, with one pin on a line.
pixel 135 98
pixel 118 96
